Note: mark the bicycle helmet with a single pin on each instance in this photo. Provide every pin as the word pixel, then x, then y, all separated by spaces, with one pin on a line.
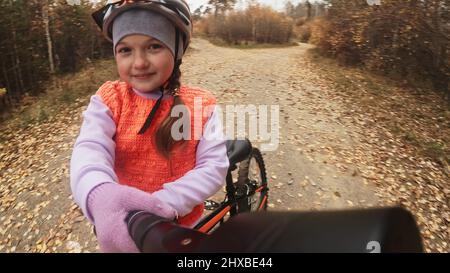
pixel 177 11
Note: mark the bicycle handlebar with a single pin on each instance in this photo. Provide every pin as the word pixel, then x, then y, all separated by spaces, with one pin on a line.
pixel 362 230
pixel 152 233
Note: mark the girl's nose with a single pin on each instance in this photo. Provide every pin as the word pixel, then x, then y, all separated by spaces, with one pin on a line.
pixel 140 61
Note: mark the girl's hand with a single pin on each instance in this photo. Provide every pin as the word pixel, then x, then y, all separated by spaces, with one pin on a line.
pixel 109 204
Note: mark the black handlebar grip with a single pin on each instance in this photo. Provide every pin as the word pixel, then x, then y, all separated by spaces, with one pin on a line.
pixel 153 233
pixel 140 223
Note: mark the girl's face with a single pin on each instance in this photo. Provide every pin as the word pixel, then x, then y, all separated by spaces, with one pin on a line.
pixel 143 62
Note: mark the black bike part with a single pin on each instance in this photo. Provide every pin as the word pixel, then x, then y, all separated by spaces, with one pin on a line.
pixel 247 183
pixel 238 150
pixel 211 204
pixel 349 231
pixel 154 234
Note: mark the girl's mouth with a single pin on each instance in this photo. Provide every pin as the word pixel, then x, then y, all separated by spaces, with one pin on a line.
pixel 143 76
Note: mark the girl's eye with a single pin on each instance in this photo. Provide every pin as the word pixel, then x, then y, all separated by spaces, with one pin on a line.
pixel 124 50
pixel 155 46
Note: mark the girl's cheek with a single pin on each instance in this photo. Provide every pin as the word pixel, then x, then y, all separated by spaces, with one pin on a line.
pixel 122 74
pixel 122 66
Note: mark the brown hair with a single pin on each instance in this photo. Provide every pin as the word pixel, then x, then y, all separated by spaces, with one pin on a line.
pixel 164 140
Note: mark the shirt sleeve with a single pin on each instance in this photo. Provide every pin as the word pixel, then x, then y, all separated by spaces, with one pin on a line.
pixel 92 160
pixel 207 177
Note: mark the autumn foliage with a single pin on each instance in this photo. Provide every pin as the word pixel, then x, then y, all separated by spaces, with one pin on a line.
pixel 25 64
pixel 407 39
pixel 257 24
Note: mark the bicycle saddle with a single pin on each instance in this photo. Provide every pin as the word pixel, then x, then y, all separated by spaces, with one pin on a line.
pixel 238 150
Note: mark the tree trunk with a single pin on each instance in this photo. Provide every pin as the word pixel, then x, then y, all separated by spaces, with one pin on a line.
pixel 308 10
pixel 48 37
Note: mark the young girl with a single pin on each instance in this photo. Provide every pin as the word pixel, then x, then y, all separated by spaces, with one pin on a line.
pixel 126 157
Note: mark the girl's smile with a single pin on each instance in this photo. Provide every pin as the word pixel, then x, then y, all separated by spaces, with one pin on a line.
pixel 143 76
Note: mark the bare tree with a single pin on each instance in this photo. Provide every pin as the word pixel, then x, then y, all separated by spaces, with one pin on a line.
pixel 45 18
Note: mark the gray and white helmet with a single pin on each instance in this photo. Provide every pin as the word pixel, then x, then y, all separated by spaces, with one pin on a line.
pixel 176 11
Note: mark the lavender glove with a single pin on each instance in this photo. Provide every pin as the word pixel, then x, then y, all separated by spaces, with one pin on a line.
pixel 109 204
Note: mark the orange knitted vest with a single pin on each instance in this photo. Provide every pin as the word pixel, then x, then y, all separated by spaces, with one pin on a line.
pixel 137 162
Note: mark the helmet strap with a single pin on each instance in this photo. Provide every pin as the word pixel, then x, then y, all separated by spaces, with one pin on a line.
pixel 150 117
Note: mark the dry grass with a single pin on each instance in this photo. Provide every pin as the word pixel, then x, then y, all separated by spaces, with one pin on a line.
pixel 61 92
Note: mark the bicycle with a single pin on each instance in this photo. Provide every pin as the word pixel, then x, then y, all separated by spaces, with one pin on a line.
pixel 250 191
pixel 367 230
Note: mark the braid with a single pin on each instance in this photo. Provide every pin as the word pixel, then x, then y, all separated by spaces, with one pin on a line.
pixel 164 140
pixel 174 80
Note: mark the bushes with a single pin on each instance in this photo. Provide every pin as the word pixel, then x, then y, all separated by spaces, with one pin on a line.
pixel 255 24
pixel 408 39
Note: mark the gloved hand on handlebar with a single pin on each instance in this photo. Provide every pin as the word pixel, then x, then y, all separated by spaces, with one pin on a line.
pixel 109 204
